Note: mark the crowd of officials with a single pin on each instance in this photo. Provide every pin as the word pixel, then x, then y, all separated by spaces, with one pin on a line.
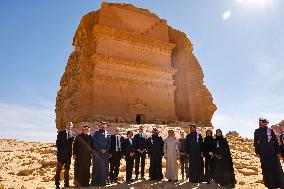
pixel 201 160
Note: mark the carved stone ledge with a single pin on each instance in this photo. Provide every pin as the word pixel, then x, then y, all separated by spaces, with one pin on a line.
pixel 97 58
pixel 99 30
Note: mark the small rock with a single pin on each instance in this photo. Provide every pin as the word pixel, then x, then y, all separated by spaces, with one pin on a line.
pixel 46 179
pixel 45 163
pixel 247 170
pixel 25 172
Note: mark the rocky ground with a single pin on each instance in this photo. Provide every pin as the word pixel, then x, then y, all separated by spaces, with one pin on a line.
pixel 26 165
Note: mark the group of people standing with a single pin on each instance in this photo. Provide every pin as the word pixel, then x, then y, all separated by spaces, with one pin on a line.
pixel 106 152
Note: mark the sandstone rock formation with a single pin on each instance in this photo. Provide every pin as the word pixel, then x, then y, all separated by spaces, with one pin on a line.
pixel 233 133
pixel 278 128
pixel 129 65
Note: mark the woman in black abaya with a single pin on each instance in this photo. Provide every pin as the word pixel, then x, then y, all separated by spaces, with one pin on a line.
pixel 223 169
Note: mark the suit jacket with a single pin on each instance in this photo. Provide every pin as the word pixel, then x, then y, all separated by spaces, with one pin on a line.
pixel 140 142
pixel 64 146
pixel 128 148
pixel 113 143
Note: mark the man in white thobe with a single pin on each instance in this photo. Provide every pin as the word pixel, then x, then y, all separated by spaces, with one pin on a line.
pixel 171 154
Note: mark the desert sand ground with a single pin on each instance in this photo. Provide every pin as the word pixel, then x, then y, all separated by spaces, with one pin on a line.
pixel 27 165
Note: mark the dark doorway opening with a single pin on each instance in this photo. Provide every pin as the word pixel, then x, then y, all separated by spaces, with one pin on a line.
pixel 140 118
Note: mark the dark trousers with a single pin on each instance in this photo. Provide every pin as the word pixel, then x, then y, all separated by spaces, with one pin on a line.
pixel 59 167
pixel 129 167
pixel 184 165
pixel 114 164
pixel 209 166
pixel 138 157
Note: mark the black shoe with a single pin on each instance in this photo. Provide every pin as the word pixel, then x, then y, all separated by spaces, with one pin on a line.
pixel 136 178
pixel 143 178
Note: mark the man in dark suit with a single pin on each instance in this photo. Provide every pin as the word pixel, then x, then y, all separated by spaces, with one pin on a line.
pixel 140 140
pixel 115 154
pixel 64 143
pixel 129 156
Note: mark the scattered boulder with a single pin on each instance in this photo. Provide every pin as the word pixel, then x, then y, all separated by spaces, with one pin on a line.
pixel 45 163
pixel 25 172
pixel 46 179
pixel 247 170
pixel 232 134
pixel 278 128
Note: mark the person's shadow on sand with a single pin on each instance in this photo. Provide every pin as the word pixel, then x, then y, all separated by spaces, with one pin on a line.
pixel 146 184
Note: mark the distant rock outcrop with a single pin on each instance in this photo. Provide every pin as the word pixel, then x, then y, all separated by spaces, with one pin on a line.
pixel 278 128
pixel 232 133
pixel 129 65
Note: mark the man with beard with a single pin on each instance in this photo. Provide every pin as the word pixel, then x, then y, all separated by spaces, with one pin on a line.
pixel 101 145
pixel 115 154
pixel 223 169
pixel 267 149
pixel 194 148
pixel 82 153
pixel 140 140
pixel 64 144
pixel 208 146
pixel 171 154
pixel 155 152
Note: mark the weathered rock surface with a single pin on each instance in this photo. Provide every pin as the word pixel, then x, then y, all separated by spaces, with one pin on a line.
pixel 278 128
pixel 129 65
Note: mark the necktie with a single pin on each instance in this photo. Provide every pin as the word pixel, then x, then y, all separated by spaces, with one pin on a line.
pixel 68 137
pixel 117 146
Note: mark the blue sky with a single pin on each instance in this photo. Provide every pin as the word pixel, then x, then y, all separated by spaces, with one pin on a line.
pixel 239 44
